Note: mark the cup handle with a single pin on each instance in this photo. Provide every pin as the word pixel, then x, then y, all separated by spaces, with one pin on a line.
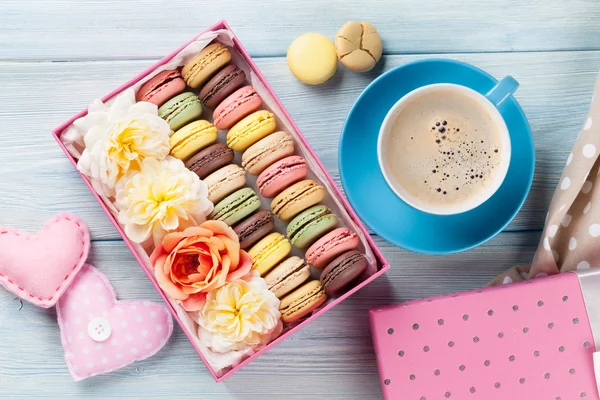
pixel 503 89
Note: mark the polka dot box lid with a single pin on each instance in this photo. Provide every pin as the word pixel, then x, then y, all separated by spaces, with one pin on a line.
pixel 530 340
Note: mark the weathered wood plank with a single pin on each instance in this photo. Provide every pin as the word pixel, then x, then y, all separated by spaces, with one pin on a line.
pixel 69 30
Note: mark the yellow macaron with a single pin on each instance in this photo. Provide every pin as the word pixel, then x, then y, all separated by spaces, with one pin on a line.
pixel 312 58
pixel 269 251
pixel 250 130
pixel 192 138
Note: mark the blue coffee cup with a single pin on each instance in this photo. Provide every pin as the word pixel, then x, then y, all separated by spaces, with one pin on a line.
pixel 386 213
pixel 485 105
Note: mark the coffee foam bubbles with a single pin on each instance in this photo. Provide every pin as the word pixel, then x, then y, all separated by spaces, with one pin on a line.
pixel 444 148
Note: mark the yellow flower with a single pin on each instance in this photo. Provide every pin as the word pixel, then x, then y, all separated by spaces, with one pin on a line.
pixel 163 196
pixel 240 316
pixel 118 138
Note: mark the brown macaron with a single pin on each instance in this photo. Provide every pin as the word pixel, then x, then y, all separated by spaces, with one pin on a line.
pixel 210 159
pixel 342 271
pixel 254 228
pixel 225 82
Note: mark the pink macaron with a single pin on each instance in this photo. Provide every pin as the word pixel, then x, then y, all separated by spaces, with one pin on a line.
pixel 281 175
pixel 162 87
pixel 236 106
pixel 330 246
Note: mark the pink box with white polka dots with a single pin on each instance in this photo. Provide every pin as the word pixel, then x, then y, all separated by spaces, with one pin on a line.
pixel 530 340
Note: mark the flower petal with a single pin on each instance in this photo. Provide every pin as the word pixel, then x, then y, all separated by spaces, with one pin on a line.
pixel 143 107
pixel 220 228
pixel 233 250
pixel 158 258
pixel 137 233
pixel 243 267
pixel 194 302
pixel 167 285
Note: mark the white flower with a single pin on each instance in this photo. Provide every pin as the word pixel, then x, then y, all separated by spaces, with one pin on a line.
pixel 161 197
pixel 118 138
pixel 241 316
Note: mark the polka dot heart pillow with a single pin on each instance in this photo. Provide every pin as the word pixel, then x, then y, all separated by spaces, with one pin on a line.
pixel 99 333
pixel 571 237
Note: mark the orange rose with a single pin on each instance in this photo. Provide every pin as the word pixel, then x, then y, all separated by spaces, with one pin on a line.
pixel 191 263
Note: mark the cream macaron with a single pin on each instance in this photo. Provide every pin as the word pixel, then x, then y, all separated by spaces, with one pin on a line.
pixel 267 151
pixel 287 276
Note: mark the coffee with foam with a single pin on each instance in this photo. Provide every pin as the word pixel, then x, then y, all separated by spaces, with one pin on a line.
pixel 445 149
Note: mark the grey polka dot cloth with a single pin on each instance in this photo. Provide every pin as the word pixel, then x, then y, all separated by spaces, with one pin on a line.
pixel 571 238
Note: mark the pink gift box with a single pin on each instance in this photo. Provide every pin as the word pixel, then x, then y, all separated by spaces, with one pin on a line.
pixel 380 263
pixel 531 340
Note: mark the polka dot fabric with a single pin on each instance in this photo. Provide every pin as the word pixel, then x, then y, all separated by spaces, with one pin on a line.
pixel 571 237
pixel 529 340
pixel 100 334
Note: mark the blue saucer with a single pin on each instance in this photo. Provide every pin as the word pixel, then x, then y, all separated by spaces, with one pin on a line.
pixel 384 212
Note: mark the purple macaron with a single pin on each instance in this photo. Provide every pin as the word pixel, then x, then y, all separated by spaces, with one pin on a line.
pixel 342 271
pixel 222 85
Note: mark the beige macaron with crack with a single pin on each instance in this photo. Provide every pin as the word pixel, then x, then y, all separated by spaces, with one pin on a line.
pixel 287 276
pixel 358 46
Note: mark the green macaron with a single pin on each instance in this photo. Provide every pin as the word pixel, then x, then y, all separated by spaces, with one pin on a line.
pixel 310 224
pixel 236 206
pixel 180 110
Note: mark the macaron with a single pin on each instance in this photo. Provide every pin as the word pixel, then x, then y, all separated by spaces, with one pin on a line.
pixel 302 301
pixel 192 138
pixel 181 110
pixel 309 225
pixel 222 85
pixel 210 159
pixel 225 181
pixel 287 276
pixel 236 206
pixel 330 246
pixel 254 228
pixel 266 151
pixel 269 251
pixel 281 174
pixel 239 104
pixel 250 130
pixel 205 64
pixel 298 197
pixel 312 58
pixel 161 87
pixel 342 271
pixel 358 46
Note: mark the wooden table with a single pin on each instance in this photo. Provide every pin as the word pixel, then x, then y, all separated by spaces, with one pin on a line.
pixel 58 55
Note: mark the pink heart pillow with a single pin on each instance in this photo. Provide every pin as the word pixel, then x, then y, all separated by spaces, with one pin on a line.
pixel 100 334
pixel 39 268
